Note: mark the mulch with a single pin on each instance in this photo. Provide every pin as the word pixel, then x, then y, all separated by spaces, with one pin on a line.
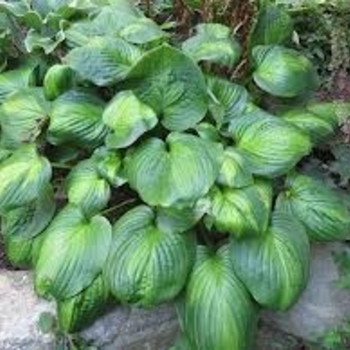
pixel 4 264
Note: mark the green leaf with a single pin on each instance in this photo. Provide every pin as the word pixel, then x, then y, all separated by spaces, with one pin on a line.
pixel 108 165
pixel 78 312
pixel 208 132
pixel 271 145
pixel 227 99
pixel 128 118
pixel 242 212
pixel 142 31
pixel 175 172
pixel 235 171
pixel 35 40
pixel 213 43
pixel 12 80
pixel 23 115
pixel 73 253
pixel 121 19
pixel 103 61
pixel 321 210
pixel 172 85
pixel 76 119
pixel 18 251
pixel 180 220
pixel 147 266
pixel 46 322
pixel 58 79
pixel 316 127
pixel 340 166
pixel 218 312
pixel 87 189
pixel 274 267
pixel 274 26
pixel 30 220
pixel 283 72
pixel 22 178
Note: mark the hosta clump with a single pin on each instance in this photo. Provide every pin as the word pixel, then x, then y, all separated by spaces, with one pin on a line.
pixel 135 171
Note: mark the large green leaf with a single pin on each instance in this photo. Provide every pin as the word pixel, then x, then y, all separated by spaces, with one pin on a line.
pixel 23 115
pixel 235 171
pixel 30 220
pixel 273 26
pixel 244 211
pixel 22 178
pixel 271 145
pixel 274 267
pixel 80 311
pixel 213 42
pixel 218 312
pixel 283 72
pixel 128 118
pixel 73 253
pixel 315 126
pixel 87 189
pixel 121 19
pixel 58 79
pixel 227 99
pixel 321 210
pixel 13 80
pixel 172 85
pixel 177 171
pixel 103 61
pixel 147 266
pixel 76 119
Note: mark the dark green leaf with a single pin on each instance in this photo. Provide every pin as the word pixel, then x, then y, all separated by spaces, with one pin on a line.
pixel 103 61
pixel 73 253
pixel 176 172
pixel 76 119
pixel 147 266
pixel 172 85
pixel 321 210
pixel 275 266
pixel 218 312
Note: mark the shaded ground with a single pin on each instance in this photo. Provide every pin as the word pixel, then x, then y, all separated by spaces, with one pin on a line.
pixel 3 262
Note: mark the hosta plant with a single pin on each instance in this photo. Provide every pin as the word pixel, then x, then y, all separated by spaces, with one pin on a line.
pixel 133 170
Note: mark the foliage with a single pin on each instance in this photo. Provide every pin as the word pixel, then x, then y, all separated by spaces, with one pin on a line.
pixel 134 169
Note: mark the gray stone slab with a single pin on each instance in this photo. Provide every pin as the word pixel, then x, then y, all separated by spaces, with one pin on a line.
pixel 322 306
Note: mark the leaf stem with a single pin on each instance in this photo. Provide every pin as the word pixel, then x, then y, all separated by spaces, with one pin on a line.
pixel 61 166
pixel 118 206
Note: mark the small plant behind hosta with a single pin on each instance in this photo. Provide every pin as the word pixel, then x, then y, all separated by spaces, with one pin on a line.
pixel 134 171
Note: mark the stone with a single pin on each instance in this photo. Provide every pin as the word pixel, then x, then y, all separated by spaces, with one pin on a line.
pixel 323 306
pixel 128 328
pixel 20 310
pixel 121 329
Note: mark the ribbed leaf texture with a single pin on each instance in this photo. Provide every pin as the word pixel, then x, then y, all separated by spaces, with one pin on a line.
pixel 283 72
pixel 217 311
pixel 22 177
pixel 271 146
pixel 73 253
pixel 78 312
pixel 172 85
pixel 242 212
pixel 274 266
pixel 176 172
pixel 213 42
pixel 76 119
pixel 321 210
pixel 128 118
pixel 147 266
